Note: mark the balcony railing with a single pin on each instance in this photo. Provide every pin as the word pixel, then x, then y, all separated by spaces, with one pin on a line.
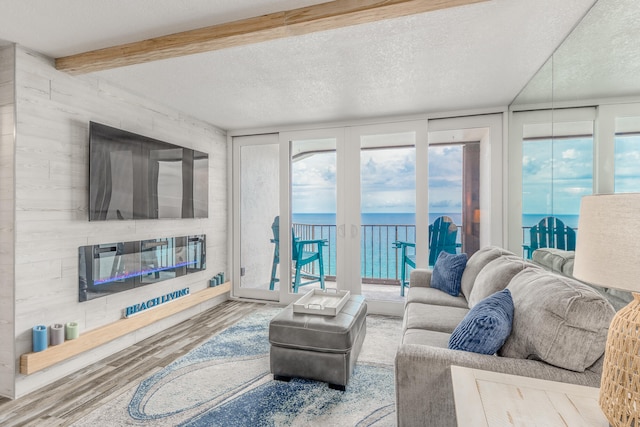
pixel 380 263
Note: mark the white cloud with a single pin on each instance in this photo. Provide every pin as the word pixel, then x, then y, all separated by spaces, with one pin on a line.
pixel 570 154
pixel 577 191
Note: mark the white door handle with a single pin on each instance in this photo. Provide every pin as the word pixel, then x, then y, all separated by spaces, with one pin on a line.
pixel 341 230
pixel 354 231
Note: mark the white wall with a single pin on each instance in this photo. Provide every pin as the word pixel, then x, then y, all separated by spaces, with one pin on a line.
pixel 7 120
pixel 51 201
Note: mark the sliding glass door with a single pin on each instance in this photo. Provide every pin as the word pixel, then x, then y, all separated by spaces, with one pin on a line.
pixel 382 206
pixel 313 213
pixel 351 208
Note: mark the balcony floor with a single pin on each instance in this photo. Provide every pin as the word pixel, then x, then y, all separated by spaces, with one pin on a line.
pixel 370 291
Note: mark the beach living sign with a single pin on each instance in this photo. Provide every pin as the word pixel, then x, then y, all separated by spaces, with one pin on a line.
pixel 154 302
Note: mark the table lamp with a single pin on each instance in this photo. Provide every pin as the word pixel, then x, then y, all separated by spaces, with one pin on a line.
pixel 608 255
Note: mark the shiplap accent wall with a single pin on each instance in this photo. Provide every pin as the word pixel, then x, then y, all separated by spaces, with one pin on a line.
pixel 51 202
pixel 7 125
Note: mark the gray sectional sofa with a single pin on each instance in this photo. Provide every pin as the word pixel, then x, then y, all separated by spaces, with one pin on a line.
pixel 558 333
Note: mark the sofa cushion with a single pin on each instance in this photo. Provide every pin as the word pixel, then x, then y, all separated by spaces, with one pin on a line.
pixel 486 327
pixel 554 259
pixel 435 297
pixel 557 320
pixel 447 272
pixel 433 317
pixel 426 337
pixel 495 276
pixel 567 267
pixel 476 263
pixel 420 277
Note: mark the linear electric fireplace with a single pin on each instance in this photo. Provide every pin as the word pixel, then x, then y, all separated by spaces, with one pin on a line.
pixel 115 267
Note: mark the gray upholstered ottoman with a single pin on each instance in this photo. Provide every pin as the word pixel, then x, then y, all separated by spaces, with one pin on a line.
pixel 317 347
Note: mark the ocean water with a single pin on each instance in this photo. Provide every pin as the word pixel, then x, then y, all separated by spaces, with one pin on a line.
pixel 379 258
pixel 529 220
pixel 371 218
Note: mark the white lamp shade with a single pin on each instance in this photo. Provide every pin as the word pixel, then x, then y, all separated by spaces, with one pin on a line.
pixel 608 241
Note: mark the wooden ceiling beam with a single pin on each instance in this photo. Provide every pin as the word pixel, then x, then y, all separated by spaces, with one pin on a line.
pixel 304 20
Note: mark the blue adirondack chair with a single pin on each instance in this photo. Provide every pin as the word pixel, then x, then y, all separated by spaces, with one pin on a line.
pixel 550 232
pixel 442 237
pixel 303 254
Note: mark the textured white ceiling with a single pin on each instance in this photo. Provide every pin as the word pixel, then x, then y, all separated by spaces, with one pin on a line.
pixel 468 57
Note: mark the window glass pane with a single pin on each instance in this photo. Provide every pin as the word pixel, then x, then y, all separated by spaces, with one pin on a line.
pixel 454 193
pixel 313 212
pixel 445 182
pixel 556 173
pixel 388 195
pixel 387 210
pixel 627 159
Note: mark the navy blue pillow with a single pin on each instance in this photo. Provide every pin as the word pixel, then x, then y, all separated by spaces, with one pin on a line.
pixel 486 326
pixel 447 273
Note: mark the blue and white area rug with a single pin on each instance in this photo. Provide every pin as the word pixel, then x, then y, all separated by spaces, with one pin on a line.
pixel 226 382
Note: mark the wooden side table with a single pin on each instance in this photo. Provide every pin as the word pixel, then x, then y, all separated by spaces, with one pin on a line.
pixel 485 398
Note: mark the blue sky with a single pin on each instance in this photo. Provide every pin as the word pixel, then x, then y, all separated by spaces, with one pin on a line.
pixel 555 177
pixel 387 181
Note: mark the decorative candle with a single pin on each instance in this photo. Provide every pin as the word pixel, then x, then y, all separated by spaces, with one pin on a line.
pixel 57 334
pixel 72 331
pixel 40 338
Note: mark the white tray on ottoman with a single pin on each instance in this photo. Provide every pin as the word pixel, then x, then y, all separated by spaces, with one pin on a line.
pixel 327 302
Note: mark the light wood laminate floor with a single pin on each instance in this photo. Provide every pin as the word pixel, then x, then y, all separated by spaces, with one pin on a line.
pixel 69 399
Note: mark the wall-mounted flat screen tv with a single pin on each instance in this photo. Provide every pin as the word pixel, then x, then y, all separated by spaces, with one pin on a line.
pixel 137 177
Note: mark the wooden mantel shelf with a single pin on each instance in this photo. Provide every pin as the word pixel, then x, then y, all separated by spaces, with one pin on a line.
pixel 34 362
